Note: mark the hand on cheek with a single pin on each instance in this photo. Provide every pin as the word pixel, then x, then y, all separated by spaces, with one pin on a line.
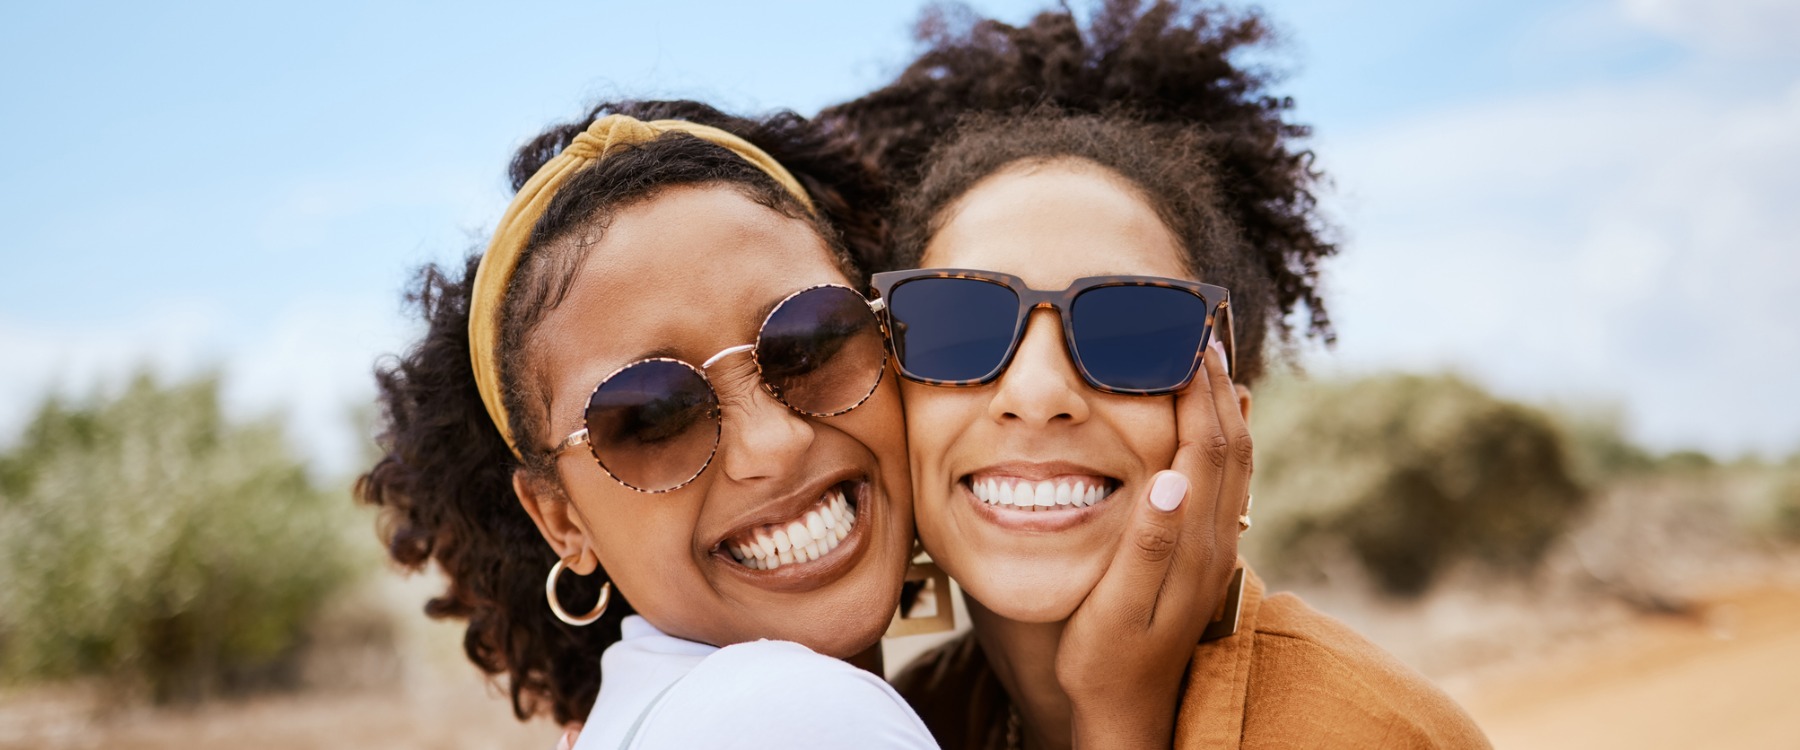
pixel 1127 647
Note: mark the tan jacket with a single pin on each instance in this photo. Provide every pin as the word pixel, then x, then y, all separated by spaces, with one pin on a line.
pixel 1290 678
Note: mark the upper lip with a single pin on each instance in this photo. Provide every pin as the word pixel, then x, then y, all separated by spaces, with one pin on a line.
pixel 1037 471
pixel 787 507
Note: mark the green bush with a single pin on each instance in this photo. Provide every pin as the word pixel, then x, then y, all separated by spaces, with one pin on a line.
pixel 1408 475
pixel 1786 506
pixel 1599 452
pixel 147 539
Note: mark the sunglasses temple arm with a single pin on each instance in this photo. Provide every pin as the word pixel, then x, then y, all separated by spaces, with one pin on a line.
pixel 575 440
pixel 1230 339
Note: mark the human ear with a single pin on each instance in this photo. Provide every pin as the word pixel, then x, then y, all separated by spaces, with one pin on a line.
pixel 1243 398
pixel 557 520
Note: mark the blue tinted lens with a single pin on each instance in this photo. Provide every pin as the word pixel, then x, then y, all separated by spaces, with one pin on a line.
pixel 952 329
pixel 1140 338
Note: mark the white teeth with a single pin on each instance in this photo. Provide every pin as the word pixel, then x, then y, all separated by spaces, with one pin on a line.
pixel 811 536
pixel 1048 494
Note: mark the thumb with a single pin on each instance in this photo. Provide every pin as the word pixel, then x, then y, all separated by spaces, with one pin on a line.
pixel 1134 580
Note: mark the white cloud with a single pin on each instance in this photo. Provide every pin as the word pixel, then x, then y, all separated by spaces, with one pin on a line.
pixel 1733 28
pixel 315 363
pixel 1635 243
pixel 311 363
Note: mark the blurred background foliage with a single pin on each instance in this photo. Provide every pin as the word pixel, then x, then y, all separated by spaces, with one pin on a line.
pixel 151 541
pixel 1411 476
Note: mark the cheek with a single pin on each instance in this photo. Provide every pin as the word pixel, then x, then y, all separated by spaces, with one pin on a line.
pixel 880 426
pixel 644 542
pixel 937 420
pixel 1145 425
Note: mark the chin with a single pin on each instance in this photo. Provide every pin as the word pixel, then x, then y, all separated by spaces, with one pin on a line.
pixel 1039 598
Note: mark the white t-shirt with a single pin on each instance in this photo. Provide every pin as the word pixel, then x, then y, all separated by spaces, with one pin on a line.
pixel 766 694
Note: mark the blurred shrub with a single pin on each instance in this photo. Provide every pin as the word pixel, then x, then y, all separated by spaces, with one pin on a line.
pixel 1786 506
pixel 1408 475
pixel 1598 449
pixel 148 539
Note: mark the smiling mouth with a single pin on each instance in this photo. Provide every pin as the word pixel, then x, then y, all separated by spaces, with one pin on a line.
pixel 1057 493
pixel 808 536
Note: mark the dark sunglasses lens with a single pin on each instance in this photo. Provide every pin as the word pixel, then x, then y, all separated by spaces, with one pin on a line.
pixel 952 329
pixel 654 425
pixel 821 350
pixel 1139 338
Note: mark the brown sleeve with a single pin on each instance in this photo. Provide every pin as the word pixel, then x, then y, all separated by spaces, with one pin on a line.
pixel 1314 682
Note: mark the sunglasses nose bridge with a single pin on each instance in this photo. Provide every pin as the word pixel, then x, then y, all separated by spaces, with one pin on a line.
pixel 726 352
pixel 1040 385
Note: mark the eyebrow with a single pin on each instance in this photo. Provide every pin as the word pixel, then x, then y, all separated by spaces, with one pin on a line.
pixel 762 312
pixel 668 352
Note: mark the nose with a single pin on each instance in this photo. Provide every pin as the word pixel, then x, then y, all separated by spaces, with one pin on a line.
pixel 1041 386
pixel 760 437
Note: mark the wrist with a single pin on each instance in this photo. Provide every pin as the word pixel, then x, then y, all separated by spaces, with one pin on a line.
pixel 1136 726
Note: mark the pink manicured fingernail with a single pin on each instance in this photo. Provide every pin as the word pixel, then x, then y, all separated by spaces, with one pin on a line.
pixel 1219 351
pixel 1168 490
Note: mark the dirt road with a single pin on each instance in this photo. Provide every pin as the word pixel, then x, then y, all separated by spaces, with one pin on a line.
pixel 1729 677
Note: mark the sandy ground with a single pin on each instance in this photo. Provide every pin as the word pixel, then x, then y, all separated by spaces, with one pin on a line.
pixel 1727 676
pixel 452 715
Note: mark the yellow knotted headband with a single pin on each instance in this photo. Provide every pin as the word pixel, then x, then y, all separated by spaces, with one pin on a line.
pixel 604 136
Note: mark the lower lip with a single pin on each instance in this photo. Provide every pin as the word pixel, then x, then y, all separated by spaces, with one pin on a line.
pixel 813 574
pixel 1044 521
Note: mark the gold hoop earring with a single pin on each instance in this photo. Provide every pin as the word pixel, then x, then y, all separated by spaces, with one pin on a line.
pixel 557 607
pixel 925 584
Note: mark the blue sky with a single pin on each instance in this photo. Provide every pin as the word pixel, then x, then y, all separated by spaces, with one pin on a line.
pixel 247 186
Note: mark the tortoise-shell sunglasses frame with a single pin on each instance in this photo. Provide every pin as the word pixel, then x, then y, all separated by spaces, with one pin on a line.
pixel 1217 299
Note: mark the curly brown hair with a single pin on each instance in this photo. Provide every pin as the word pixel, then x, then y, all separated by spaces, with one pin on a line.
pixel 1158 81
pixel 444 481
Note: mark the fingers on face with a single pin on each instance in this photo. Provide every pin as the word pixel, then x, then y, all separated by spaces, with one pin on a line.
pixel 1230 415
pixel 1238 460
pixel 1135 582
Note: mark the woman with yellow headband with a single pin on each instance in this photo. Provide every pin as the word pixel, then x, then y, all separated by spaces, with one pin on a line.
pixel 647 437
pixel 618 397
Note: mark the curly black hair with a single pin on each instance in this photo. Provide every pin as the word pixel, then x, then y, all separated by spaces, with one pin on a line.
pixel 444 481
pixel 1167 71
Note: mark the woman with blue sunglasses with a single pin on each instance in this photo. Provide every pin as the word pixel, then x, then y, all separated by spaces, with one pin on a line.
pixel 1099 214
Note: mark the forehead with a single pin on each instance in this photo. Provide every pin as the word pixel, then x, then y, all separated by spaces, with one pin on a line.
pixel 684 274
pixel 1051 223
